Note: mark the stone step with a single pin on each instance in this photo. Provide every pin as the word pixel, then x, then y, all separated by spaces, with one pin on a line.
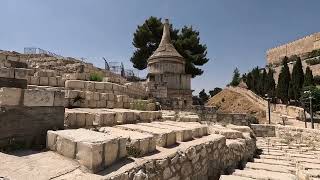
pixel 139 143
pixel 270 167
pixel 275 162
pixel 182 134
pixel 233 177
pixel 164 137
pixel 77 118
pixel 94 150
pixel 295 159
pixel 198 130
pixel 263 174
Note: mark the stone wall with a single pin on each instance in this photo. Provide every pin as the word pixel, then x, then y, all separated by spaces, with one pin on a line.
pixel 210 114
pixel 288 133
pixel 297 47
pixel 27 126
pixel 205 158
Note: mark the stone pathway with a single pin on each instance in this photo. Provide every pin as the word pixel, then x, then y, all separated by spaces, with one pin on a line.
pixel 280 160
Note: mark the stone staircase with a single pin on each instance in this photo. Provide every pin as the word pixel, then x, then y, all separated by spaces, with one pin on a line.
pixel 280 160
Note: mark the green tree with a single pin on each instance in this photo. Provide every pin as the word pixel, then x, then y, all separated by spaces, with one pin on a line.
pixel 283 82
pixel 235 78
pixel 315 93
pixel 249 81
pixel 203 96
pixel 263 83
pixel 297 79
pixel 215 91
pixel 270 90
pixel 187 42
pixel 308 78
pixel 256 80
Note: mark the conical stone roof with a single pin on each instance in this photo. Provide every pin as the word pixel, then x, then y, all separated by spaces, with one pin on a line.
pixel 165 49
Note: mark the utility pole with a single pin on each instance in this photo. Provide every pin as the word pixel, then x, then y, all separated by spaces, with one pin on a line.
pixel 311 111
pixel 269 111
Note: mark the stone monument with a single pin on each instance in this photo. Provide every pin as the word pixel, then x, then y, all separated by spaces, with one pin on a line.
pixel 167 79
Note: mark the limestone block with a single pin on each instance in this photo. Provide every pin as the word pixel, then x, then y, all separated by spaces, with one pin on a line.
pixel 10 96
pixel 99 85
pixel 74 84
pixel 60 81
pixel 34 97
pixel 66 147
pixel 108 86
pixel 71 94
pixel 111 151
pixel 118 104
pixel 13 58
pixel 101 104
pixel 122 148
pixel 53 81
pixel 92 104
pixel 34 80
pixel 3 57
pixel 104 96
pixel 20 73
pixel 59 99
pixel 51 140
pixel 90 155
pixel 111 97
pixel 96 96
pixel 44 81
pixel 90 119
pixel 110 104
pixel 89 95
pixel 89 85
pixel 7 72
pixel 80 119
pixel 70 119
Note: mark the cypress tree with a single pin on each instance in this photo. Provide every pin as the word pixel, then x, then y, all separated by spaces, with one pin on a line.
pixel 263 82
pixel 235 78
pixel 255 80
pixel 249 81
pixel 297 79
pixel 283 82
pixel 308 78
pixel 270 83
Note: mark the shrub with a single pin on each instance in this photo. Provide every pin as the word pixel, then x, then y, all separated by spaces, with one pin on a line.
pixel 96 77
pixel 313 61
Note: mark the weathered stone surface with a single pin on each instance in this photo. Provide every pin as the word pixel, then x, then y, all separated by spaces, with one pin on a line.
pixel 10 96
pixel 20 73
pixel 28 125
pixel 34 97
pixel 15 83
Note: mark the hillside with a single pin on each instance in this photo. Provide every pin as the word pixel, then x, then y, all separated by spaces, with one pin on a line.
pixel 228 101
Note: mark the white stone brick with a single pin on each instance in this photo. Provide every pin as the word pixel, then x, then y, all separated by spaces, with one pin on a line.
pixel 20 73
pixel 89 85
pixel 74 84
pixel 96 96
pixel 51 140
pixel 44 81
pixel 90 155
pixel 107 86
pixel 33 97
pixel 111 152
pixel 10 96
pixel 99 85
pixel 13 58
pixel 34 80
pixel 110 104
pixel 72 93
pixel 59 99
pixel 66 147
pixel 89 95
pixel 53 81
pixel 7 72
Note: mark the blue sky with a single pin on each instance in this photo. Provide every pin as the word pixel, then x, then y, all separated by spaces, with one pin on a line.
pixel 236 32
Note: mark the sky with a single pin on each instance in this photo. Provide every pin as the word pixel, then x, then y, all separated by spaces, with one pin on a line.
pixel 237 32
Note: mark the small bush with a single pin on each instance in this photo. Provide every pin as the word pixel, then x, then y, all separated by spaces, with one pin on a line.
pixel 313 61
pixel 134 152
pixel 96 77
